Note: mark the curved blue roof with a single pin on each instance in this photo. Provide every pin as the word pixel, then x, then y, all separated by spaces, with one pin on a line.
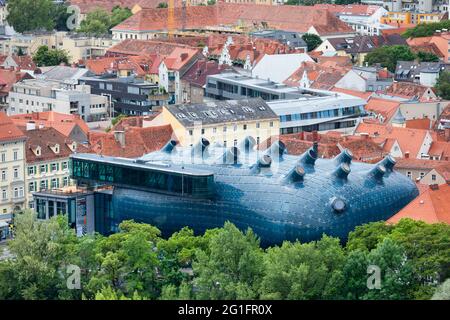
pixel 280 196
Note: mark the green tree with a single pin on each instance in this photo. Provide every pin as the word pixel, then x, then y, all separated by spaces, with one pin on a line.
pixel 443 85
pixel 97 23
pixel 387 56
pixel 162 5
pixel 211 2
pixel 312 40
pixel 232 267
pixel 42 251
pixel 118 15
pixel 427 56
pixel 303 271
pixel 426 29
pixel 50 57
pixel 30 15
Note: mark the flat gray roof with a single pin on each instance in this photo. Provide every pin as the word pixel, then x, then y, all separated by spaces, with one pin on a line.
pixel 131 163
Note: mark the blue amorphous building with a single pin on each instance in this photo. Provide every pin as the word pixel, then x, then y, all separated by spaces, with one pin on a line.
pixel 280 196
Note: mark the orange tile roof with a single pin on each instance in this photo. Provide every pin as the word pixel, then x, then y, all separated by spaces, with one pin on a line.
pixel 411 163
pixel 410 140
pixel 362 95
pixel 8 78
pixel 147 47
pixel 87 6
pixel 290 18
pixel 141 65
pixel 407 90
pixel 384 107
pixel 180 57
pixel 441 149
pixel 8 130
pixel 424 124
pixel 138 141
pixel 431 206
pixel 349 9
pixel 63 123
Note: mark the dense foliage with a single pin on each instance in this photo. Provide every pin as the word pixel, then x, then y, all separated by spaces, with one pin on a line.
pixel 426 29
pixel 443 85
pixel 387 56
pixel 99 22
pixel 312 40
pixel 50 57
pixel 224 263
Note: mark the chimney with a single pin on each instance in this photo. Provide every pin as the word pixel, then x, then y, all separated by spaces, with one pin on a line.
pixel 119 136
pixel 315 136
pixel 434 187
pixel 407 155
pixel 31 125
pixel 184 56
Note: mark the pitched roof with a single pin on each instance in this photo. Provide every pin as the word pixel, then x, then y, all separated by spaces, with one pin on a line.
pixel 179 58
pixel 349 9
pixel 411 163
pixel 410 140
pixel 431 206
pixel 197 74
pixel 362 95
pixel 285 64
pixel 408 90
pixel 141 65
pixel 441 149
pixel 289 18
pixel 424 124
pixel 8 130
pixel 147 47
pixel 8 78
pixel 138 141
pixel 63 123
pixel 46 138
pixel 386 108
pixel 87 6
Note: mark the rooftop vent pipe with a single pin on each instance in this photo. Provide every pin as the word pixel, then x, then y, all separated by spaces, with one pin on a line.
pixel 342 171
pixel 297 174
pixel 309 157
pixel 388 162
pixel 345 156
pixel 378 172
pixel 168 148
pixel 277 149
pixel 231 156
pixel 247 144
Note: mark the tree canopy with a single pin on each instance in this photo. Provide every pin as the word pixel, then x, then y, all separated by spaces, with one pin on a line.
pixel 387 56
pixel 426 29
pixel 99 22
pixel 30 15
pixel 443 85
pixel 136 263
pixel 312 40
pixel 50 57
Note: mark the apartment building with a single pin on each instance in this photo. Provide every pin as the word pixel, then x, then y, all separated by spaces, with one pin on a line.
pixel 47 160
pixel 12 168
pixel 223 122
pixel 39 95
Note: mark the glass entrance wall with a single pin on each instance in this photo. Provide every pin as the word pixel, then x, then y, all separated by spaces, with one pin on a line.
pixel 148 178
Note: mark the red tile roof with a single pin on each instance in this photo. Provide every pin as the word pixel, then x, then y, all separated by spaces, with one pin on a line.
pixel 407 90
pixel 362 95
pixel 141 65
pixel 290 18
pixel 197 74
pixel 350 9
pixel 63 123
pixel 431 206
pixel 424 124
pixel 410 140
pixel 134 47
pixel 411 163
pixel 386 108
pixel 138 141
pixel 90 5
pixel 8 130
pixel 8 78
pixel 46 138
pixel 440 149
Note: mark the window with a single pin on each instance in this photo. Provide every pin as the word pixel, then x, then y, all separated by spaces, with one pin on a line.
pixel 31 170
pixel 16 173
pixel 408 174
pixel 191 132
pixel 433 177
pixel 43 185
pixel 43 168
pixel 4 157
pixel 258 125
pixel 64 165
pixel 65 181
pixel 245 127
pixel 4 194
pixel 235 142
pixel 225 143
pixel 214 130
pixel 203 131
pixel 15 155
pixel 422 174
pixel 4 175
pixel 31 187
pixel 16 192
pixel 55 183
pixel 21 192
pixel 54 167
